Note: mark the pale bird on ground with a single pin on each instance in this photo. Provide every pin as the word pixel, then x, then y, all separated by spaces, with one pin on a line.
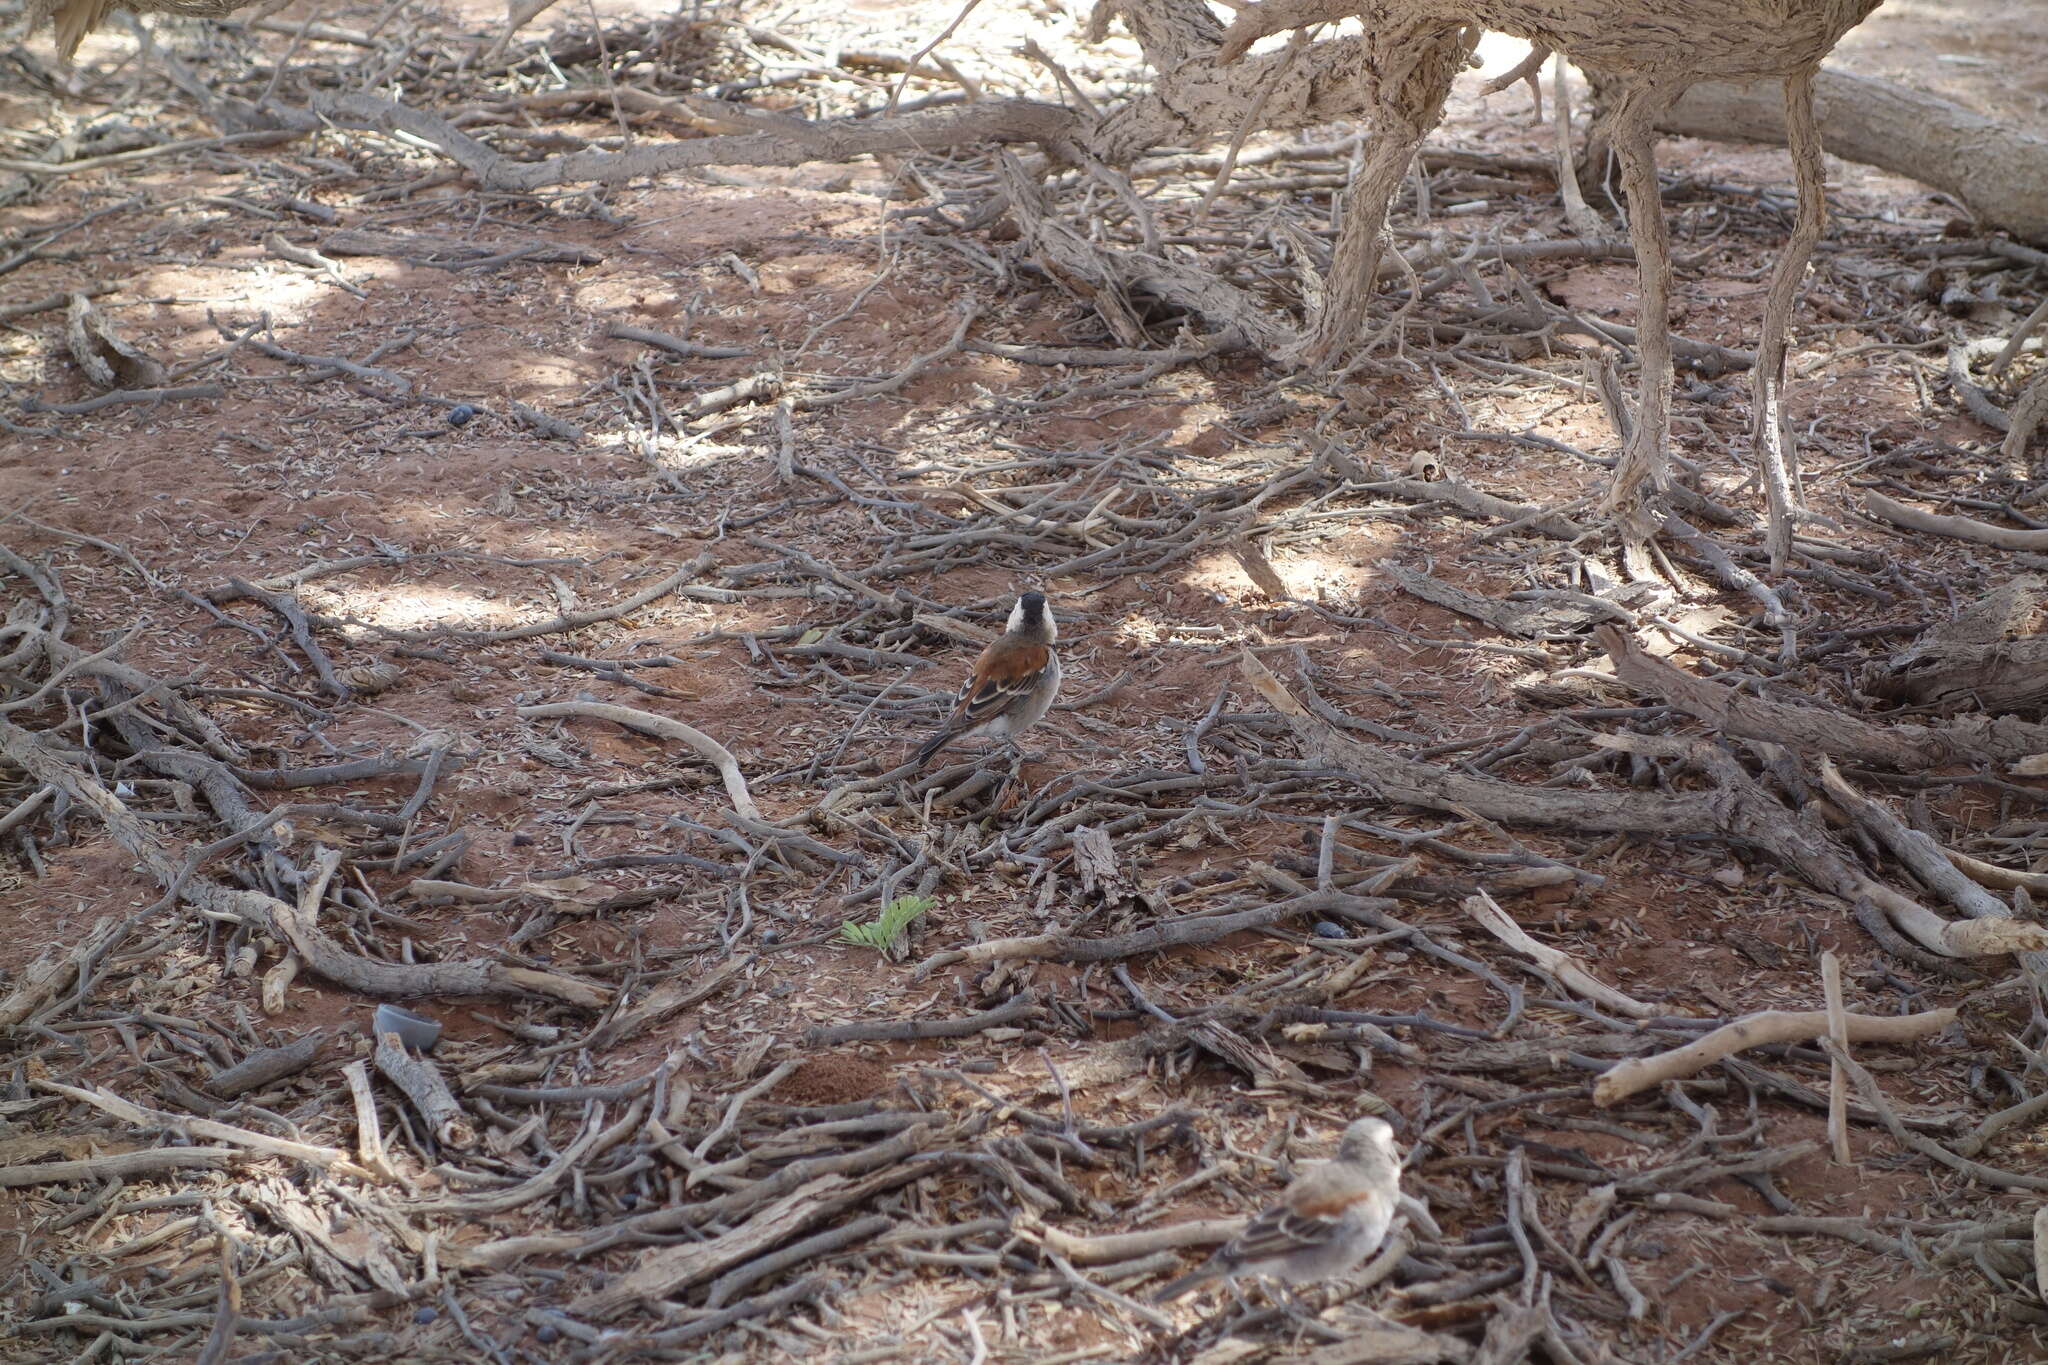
pixel 1334 1215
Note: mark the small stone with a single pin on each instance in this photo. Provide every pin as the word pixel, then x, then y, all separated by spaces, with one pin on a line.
pixel 1329 929
pixel 425 1316
pixel 770 936
pixel 460 415
pixel 1731 875
pixel 547 1334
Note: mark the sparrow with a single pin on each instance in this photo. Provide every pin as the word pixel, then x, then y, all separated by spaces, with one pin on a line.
pixel 1013 685
pixel 1334 1215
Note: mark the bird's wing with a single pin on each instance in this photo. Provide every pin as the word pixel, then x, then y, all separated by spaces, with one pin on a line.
pixel 1281 1231
pixel 999 679
pixel 1309 1216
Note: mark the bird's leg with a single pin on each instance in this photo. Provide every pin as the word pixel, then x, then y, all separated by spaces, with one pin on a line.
pixel 1014 778
pixel 1023 757
pixel 1293 1304
pixel 1635 492
pixel 1777 460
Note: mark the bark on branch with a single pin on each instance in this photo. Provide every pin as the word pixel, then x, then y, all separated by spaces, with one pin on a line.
pixel 2001 172
pixel 1739 809
pixel 1759 1030
pixel 1810 730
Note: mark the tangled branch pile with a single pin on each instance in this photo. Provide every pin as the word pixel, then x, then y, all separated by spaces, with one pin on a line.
pixel 1300 852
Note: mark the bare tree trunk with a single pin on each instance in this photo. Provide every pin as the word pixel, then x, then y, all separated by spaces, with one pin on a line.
pixel 1640 477
pixel 1409 73
pixel 1771 428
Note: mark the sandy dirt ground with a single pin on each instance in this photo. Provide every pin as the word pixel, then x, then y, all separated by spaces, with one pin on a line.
pixel 828 574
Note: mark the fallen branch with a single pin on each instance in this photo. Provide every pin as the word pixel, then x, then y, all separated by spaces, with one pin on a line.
pixel 1999 170
pixel 1759 1030
pixel 667 999
pixel 1014 1010
pixel 1739 808
pixel 1186 102
pixel 267 914
pixel 121 396
pixel 158 1120
pixel 1996 877
pixel 1563 966
pixel 1126 1246
pixel 661 727
pixel 1815 729
pixel 689 350
pixel 116 1165
pixel 263 1068
pixel 49 976
pixel 1957 528
pixel 1174 933
pixel 1866 1085
pixel 421 1083
pixel 793 145
pixel 1930 862
pixel 669 1270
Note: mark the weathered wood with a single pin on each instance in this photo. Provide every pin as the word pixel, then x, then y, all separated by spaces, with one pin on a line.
pixel 1981 660
pixel 53 973
pixel 1815 729
pixel 270 915
pixel 2000 171
pixel 1739 808
pixel 429 1094
pixel 1756 1030
pixel 259 1069
pixel 669 1270
pixel 115 1165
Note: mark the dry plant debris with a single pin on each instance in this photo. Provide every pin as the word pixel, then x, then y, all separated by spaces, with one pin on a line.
pixel 485 515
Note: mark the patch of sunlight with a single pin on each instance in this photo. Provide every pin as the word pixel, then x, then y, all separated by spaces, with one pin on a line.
pixel 1139 630
pixel 1338 569
pixel 1498 53
pixel 418 606
pixel 700 450
pixel 285 292
pixel 1324 572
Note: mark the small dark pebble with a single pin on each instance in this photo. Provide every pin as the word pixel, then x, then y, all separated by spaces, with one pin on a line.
pixel 548 1332
pixel 1329 929
pixel 459 415
pixel 425 1316
pixel 770 936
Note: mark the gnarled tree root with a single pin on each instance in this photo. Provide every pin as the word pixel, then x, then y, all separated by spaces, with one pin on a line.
pixel 1739 809
pixel 294 924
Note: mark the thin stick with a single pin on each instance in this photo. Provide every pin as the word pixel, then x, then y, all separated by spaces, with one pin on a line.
pixel 369 1133
pixel 1250 124
pixel 910 67
pixel 1838 1079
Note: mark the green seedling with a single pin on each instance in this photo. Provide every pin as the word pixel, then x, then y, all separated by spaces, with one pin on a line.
pixel 883 934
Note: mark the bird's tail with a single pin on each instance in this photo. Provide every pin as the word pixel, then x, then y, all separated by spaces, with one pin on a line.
pixel 929 750
pixel 1187 1282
